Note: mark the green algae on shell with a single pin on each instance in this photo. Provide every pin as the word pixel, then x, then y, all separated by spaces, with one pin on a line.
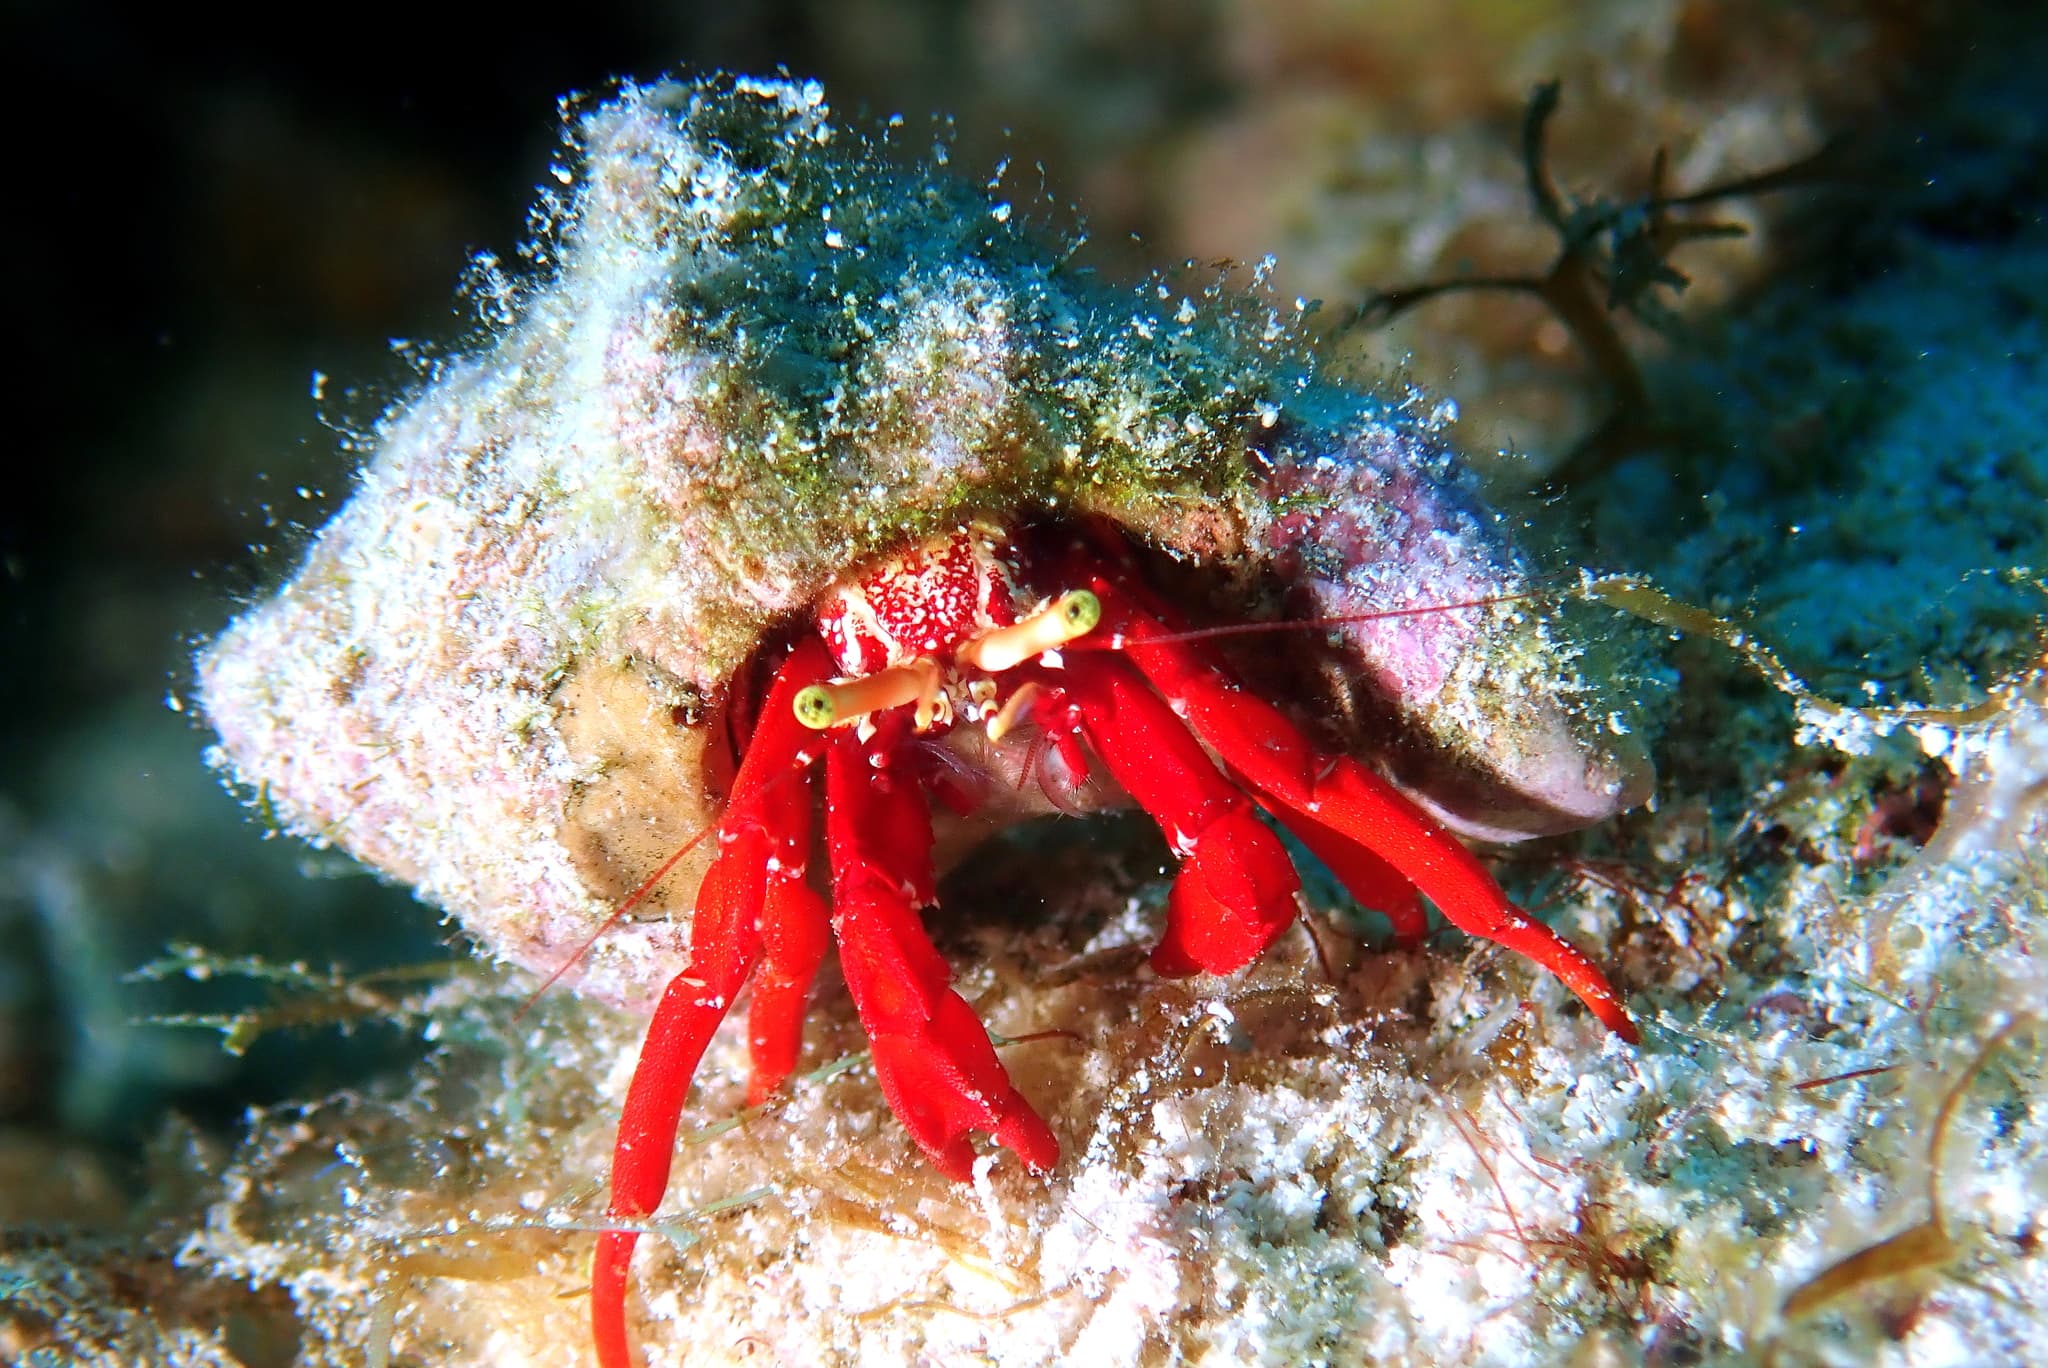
pixel 754 354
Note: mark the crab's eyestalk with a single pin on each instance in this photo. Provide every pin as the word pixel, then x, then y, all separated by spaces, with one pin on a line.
pixel 847 701
pixel 1073 614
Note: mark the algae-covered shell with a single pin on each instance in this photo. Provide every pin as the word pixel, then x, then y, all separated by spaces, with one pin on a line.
pixel 753 353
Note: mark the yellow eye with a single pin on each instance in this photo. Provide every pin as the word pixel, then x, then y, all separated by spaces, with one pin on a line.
pixel 815 707
pixel 1080 610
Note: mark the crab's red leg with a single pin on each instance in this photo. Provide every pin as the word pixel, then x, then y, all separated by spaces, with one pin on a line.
pixel 1235 891
pixel 763 836
pixel 795 931
pixel 1370 879
pixel 1348 801
pixel 933 1057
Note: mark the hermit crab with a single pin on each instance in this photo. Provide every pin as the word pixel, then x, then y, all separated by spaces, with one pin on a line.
pixel 787 476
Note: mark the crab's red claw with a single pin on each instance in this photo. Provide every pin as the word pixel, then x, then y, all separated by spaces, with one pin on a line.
pixel 1235 891
pixel 1368 824
pixel 757 874
pixel 1233 897
pixel 933 1057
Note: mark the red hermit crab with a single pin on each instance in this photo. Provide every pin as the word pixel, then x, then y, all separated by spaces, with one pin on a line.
pixel 787 469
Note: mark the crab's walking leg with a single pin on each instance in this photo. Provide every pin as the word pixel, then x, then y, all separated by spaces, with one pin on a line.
pixel 1349 802
pixel 795 931
pixel 758 873
pixel 1235 891
pixel 1370 879
pixel 933 1058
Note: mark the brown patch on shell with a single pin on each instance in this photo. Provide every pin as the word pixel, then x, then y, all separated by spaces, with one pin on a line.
pixel 644 799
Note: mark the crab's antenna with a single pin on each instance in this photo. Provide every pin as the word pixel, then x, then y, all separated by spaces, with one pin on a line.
pixel 1118 642
pixel 636 897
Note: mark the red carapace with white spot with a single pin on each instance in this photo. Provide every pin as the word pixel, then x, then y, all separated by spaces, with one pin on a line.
pixel 968 630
